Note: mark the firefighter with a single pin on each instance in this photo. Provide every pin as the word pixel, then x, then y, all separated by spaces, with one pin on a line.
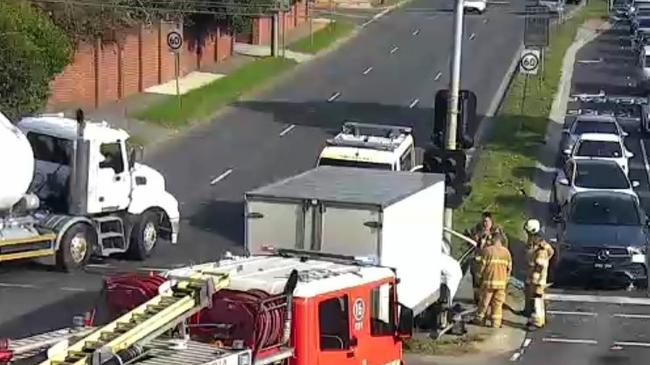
pixel 538 258
pixel 495 270
pixel 482 233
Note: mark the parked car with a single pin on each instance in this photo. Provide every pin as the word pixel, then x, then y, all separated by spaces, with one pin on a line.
pixel 601 146
pixel 475 6
pixel 553 6
pixel 631 112
pixel 589 123
pixel 586 175
pixel 603 235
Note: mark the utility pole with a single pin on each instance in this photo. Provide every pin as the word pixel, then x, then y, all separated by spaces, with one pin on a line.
pixel 454 90
pixel 274 34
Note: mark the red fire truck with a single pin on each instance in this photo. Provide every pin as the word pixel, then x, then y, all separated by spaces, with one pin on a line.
pixel 294 308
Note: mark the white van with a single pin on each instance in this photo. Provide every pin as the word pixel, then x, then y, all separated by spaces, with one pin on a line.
pixel 644 71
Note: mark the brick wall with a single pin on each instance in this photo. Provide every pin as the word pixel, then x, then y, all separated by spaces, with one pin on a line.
pixel 105 72
pixel 261 27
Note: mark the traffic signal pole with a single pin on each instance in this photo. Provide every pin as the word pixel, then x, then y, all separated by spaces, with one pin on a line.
pixel 454 90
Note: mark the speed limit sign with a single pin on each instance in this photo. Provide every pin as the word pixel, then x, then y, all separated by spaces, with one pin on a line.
pixel 174 40
pixel 529 61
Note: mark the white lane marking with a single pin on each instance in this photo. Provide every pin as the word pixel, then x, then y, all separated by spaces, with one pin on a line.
pixel 287 130
pixel 394 50
pixel 499 2
pixel 631 316
pixel 416 32
pixel 438 75
pixel 367 71
pixel 66 288
pixel 527 342
pixel 485 21
pixel 472 36
pixel 102 266
pixel 377 16
pixel 333 97
pixel 221 177
pixel 414 103
pixel 515 356
pixel 161 269
pixel 570 340
pixel 631 344
pixel 14 285
pixel 645 159
pixel 596 299
pixel 568 313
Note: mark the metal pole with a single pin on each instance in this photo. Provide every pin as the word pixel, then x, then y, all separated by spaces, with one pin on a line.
pixel 274 35
pixel 178 71
pixel 311 25
pixel 454 90
pixel 284 30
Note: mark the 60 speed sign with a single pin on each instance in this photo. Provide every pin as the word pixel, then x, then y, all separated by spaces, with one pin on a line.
pixel 529 61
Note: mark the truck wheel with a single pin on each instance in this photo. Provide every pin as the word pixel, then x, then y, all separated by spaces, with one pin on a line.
pixel 75 248
pixel 144 236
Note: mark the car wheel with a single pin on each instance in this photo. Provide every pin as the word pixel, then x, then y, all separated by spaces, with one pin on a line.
pixel 144 236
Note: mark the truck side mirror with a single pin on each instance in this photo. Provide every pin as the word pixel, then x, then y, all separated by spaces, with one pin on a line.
pixel 405 324
pixel 136 154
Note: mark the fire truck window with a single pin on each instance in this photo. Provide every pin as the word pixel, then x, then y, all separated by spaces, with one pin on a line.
pixel 333 322
pixel 113 159
pixel 381 311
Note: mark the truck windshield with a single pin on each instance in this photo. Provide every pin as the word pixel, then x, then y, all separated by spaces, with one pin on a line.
pixel 349 163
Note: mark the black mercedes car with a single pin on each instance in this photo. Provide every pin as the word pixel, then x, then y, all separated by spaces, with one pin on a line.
pixel 602 235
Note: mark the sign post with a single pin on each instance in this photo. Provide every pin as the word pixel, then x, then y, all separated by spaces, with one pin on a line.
pixel 529 61
pixel 175 44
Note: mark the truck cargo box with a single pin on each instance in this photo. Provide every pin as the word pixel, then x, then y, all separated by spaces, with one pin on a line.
pixel 394 216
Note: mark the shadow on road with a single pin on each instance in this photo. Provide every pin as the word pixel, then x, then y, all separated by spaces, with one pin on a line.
pixel 225 218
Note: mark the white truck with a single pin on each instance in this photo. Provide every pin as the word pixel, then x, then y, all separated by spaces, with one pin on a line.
pixel 395 217
pixel 71 189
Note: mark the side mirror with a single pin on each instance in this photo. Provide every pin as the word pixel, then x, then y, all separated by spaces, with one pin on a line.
pixel 635 184
pixel 629 154
pixel 567 151
pixel 135 155
pixel 624 134
pixel 563 181
pixel 405 324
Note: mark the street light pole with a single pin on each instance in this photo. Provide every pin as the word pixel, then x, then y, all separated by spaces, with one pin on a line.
pixel 454 90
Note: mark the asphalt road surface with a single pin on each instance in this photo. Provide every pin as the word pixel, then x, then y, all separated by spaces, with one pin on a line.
pixel 600 327
pixel 389 73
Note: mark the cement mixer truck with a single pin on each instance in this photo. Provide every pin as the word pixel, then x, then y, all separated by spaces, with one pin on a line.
pixel 72 189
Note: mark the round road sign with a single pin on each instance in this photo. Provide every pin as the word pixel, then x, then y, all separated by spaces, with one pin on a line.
pixel 174 40
pixel 529 61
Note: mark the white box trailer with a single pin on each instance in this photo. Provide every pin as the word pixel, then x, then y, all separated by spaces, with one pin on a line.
pixel 394 216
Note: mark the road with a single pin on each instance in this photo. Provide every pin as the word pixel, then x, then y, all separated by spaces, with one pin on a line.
pixel 389 73
pixel 600 327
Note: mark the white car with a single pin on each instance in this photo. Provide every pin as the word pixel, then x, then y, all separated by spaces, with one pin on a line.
pixel 590 123
pixel 602 146
pixel 475 6
pixel 589 174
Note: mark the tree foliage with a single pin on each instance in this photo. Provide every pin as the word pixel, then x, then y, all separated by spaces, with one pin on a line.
pixel 32 51
pixel 88 19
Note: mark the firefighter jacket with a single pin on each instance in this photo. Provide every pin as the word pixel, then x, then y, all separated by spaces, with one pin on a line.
pixel 495 269
pixel 536 239
pixel 484 238
pixel 538 260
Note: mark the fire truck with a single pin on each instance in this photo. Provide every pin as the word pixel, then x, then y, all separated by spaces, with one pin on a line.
pixel 293 307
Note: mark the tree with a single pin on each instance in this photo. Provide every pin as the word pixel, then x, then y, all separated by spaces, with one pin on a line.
pixel 32 51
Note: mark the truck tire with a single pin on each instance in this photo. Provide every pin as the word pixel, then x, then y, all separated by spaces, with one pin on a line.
pixel 144 236
pixel 75 248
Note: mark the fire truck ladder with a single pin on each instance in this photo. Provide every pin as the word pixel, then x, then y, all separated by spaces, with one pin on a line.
pixel 166 311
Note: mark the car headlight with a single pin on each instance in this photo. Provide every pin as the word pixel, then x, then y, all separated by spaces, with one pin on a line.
pixel 635 250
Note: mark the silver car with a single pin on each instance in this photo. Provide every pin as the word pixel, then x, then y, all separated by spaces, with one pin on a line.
pixel 589 124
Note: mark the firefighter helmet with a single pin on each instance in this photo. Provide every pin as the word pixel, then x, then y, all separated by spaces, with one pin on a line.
pixel 532 226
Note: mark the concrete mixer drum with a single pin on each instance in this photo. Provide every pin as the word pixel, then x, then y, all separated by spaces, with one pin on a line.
pixel 16 164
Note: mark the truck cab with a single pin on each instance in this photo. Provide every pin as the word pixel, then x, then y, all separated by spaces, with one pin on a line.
pixel 89 170
pixel 371 146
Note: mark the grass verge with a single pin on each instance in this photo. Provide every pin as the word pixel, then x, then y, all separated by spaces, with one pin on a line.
pixel 444 347
pixel 323 38
pixel 201 103
pixel 506 167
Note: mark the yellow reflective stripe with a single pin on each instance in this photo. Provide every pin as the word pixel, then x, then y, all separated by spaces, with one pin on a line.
pixel 394 362
pixel 497 261
pixel 494 282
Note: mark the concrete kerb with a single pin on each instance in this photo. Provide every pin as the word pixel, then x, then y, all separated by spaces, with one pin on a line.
pixel 178 134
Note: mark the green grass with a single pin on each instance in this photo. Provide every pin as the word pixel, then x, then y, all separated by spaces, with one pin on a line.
pixel 506 167
pixel 323 38
pixel 445 346
pixel 201 103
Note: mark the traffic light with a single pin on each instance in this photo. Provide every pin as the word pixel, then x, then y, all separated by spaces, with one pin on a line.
pixel 467 121
pixel 453 164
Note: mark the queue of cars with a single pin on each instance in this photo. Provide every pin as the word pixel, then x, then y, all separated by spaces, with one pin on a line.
pixel 603 230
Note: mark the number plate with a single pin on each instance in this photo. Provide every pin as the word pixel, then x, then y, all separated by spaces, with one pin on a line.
pixel 602 266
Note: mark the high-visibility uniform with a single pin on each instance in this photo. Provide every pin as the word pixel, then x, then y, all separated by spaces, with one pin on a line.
pixel 483 239
pixel 538 261
pixel 496 266
pixel 534 242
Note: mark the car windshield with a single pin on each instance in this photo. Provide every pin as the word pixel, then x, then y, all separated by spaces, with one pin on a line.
pixel 349 163
pixel 590 126
pixel 605 210
pixel 601 176
pixel 599 149
pixel 615 110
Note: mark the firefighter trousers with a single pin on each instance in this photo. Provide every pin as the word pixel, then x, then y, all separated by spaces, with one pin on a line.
pixel 529 298
pixel 538 314
pixel 493 300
